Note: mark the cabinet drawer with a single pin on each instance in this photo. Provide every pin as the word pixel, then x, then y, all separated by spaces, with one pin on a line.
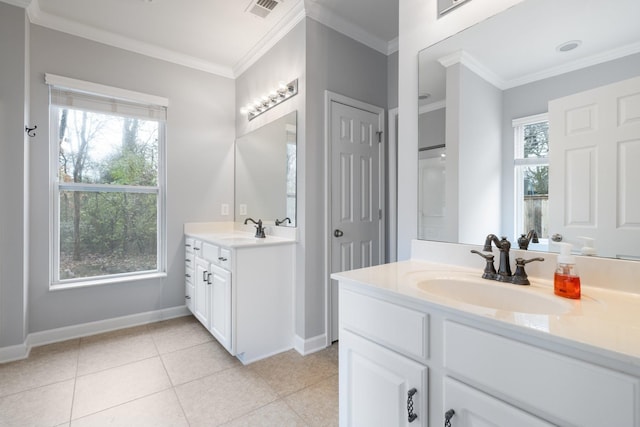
pixel 474 408
pixel 397 327
pixel 224 259
pixel 210 252
pixel 565 390
pixel 189 244
pixel 217 255
pixel 189 292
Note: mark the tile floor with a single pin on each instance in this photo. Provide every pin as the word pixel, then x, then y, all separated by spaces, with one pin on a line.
pixel 170 373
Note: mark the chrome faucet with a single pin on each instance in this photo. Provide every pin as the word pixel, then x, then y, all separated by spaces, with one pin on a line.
pixel 259 228
pixel 524 239
pixel 504 269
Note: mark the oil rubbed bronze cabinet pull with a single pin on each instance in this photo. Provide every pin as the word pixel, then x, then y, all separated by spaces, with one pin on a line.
pixel 411 415
pixel 447 417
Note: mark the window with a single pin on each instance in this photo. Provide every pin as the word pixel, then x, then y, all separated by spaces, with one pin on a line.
pixel 107 150
pixel 531 164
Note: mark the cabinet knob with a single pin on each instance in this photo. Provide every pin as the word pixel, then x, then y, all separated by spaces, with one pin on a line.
pixel 221 258
pixel 187 260
pixel 187 297
pixel 208 278
pixel 204 276
pixel 411 415
pixel 187 275
pixel 447 417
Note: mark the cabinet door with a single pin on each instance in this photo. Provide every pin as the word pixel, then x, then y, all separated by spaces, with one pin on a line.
pixel 374 385
pixel 202 303
pixel 473 408
pixel 220 325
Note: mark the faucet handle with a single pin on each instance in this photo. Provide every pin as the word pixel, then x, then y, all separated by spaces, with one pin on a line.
pixel 489 269
pixel 520 276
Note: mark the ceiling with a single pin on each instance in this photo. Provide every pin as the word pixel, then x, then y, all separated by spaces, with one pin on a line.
pixel 519 45
pixel 218 36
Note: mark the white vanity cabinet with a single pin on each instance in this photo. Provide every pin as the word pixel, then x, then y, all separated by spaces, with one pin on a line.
pixel 487 374
pixel 380 383
pixel 189 274
pixel 243 294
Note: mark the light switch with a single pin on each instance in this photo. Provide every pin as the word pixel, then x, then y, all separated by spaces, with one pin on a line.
pixel 224 210
pixel 243 209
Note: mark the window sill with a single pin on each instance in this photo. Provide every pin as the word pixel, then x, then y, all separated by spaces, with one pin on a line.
pixel 58 286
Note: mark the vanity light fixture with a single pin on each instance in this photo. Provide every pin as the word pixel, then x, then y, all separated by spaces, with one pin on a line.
pixel 273 98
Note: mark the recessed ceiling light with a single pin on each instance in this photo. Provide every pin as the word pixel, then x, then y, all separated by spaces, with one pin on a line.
pixel 567 46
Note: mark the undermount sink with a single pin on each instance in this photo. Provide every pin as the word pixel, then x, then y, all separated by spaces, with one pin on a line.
pixel 494 295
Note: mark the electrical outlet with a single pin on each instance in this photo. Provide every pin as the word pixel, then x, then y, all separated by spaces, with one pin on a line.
pixel 224 210
pixel 243 209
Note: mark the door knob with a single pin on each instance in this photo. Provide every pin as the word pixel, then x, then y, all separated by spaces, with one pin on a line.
pixel 338 233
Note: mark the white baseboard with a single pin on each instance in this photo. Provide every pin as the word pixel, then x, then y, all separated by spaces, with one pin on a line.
pixel 310 345
pixel 21 351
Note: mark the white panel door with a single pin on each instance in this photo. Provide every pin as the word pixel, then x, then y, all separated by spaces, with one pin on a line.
pixel 375 386
pixel 355 193
pixel 202 306
pixel 594 153
pixel 221 306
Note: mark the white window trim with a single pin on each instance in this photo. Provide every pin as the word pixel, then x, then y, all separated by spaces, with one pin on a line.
pixel 108 91
pixel 518 137
pixel 54 187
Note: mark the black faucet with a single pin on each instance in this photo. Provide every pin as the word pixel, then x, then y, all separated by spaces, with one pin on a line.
pixel 504 269
pixel 524 239
pixel 278 222
pixel 259 228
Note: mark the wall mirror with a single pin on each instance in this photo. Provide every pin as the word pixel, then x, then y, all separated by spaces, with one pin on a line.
pixel 265 173
pixel 512 132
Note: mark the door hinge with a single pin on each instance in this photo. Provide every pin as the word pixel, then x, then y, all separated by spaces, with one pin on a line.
pixel 379 213
pixel 379 133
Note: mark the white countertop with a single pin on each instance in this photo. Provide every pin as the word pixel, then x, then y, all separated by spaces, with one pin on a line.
pixel 234 235
pixel 603 319
pixel 240 239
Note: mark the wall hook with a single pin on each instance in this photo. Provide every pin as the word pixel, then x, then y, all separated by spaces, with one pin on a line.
pixel 30 131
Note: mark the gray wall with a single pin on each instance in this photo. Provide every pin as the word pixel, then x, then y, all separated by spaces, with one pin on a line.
pixel 431 127
pixel 533 98
pixel 341 65
pixel 13 154
pixel 200 134
pixel 322 59
pixel 285 61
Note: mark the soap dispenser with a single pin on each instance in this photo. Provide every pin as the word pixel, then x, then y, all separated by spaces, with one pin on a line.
pixel 566 282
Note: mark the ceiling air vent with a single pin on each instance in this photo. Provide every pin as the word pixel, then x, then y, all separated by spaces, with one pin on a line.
pixel 262 8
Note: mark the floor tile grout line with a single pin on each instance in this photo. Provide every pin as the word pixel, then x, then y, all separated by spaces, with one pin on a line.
pixel 75 381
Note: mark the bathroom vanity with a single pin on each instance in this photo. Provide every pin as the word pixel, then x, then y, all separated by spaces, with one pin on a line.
pixel 241 288
pixel 426 341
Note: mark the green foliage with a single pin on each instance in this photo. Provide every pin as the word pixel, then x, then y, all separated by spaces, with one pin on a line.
pixel 108 232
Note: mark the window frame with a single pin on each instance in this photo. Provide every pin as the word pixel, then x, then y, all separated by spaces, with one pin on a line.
pixel 518 162
pixel 56 186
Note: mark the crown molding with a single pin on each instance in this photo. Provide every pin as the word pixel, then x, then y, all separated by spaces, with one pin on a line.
pixel 589 61
pixel 20 3
pixel 474 65
pixel 38 17
pixel 341 25
pixel 393 46
pixel 281 29
pixel 286 24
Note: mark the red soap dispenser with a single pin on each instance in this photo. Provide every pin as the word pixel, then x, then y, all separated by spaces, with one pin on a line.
pixel 566 282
